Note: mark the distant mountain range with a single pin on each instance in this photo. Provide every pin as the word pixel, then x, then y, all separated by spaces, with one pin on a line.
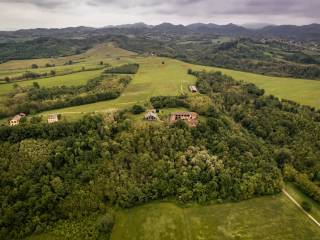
pixel 306 32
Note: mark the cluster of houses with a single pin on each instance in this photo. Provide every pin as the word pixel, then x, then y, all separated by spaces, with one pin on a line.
pixel 52 118
pixel 191 118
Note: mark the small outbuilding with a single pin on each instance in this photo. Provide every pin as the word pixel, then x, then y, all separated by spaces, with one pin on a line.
pixel 52 118
pixel 193 89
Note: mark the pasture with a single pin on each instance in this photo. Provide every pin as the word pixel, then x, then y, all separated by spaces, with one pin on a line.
pixel 244 220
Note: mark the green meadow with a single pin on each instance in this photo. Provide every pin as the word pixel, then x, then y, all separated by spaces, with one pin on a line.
pixel 274 218
pixel 263 218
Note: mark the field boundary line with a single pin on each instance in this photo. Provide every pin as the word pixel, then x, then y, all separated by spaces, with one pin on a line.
pixel 299 206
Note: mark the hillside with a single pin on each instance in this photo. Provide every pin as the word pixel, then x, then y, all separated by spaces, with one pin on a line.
pixel 84 176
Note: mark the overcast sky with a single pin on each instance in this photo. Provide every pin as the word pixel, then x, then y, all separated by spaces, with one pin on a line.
pixel 16 14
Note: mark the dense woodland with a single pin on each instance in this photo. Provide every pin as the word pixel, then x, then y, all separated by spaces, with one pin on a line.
pixel 43 47
pixel 245 146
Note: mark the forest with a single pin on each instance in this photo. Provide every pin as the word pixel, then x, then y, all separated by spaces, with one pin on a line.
pixel 248 144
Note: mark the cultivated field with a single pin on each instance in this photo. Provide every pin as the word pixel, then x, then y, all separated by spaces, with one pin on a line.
pixel 272 218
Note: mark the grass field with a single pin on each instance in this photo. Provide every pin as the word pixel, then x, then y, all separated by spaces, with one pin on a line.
pixel 272 218
pixel 68 80
pixel 264 218
pixel 153 78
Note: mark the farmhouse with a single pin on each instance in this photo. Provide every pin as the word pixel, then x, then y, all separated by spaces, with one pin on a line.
pixel 52 118
pixel 193 89
pixel 151 116
pixel 16 119
pixel 191 118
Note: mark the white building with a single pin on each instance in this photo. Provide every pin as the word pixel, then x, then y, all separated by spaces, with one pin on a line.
pixel 53 118
pixel 16 119
pixel 193 89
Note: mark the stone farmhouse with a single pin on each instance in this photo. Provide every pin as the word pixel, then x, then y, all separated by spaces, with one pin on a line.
pixel 52 118
pixel 151 116
pixel 16 119
pixel 191 118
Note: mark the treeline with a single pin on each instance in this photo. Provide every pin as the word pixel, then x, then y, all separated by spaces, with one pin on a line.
pixel 30 75
pixel 36 99
pixel 124 69
pixel 169 101
pixel 303 182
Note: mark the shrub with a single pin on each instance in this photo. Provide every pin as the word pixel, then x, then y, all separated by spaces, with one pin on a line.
pixel 137 109
pixel 124 69
pixel 105 224
pixel 306 206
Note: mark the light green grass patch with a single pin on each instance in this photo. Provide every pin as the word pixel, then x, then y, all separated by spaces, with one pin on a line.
pixel 302 91
pixel 273 217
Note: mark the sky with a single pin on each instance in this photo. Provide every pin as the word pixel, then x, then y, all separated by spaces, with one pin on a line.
pixel 17 14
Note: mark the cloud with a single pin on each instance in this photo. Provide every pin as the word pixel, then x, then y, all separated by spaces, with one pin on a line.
pixel 39 3
pixel 104 12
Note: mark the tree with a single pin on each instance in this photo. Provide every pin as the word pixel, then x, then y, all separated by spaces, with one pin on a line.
pixel 284 156
pixel 306 206
pixel 137 109
pixel 7 79
pixel 105 224
pixel 52 72
pixel 36 85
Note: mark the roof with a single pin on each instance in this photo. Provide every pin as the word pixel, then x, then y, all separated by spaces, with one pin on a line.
pixel 53 116
pixel 185 113
pixel 151 114
pixel 16 118
pixel 193 88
